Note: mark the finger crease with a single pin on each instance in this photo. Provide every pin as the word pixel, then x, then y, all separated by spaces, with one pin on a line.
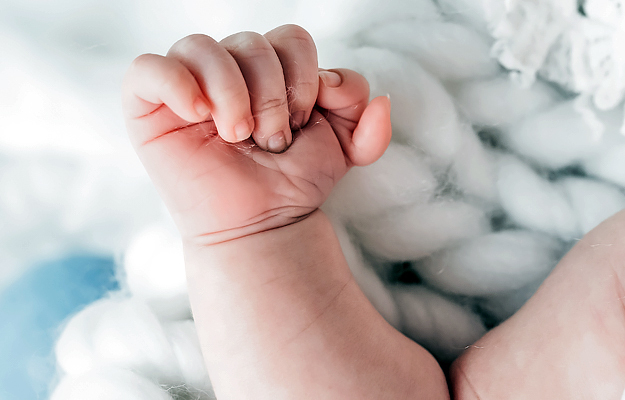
pixel 177 129
pixel 270 105
pixel 157 109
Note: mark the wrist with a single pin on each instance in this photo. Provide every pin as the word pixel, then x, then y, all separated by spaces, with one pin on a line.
pixel 271 285
pixel 308 243
pixel 272 220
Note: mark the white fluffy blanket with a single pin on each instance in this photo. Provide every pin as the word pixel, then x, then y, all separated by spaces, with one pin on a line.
pixel 507 148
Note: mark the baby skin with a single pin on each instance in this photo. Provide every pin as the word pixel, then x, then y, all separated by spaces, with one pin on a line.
pixel 244 140
pixel 243 165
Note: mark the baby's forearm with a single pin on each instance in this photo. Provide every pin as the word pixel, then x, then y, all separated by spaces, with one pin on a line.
pixel 280 317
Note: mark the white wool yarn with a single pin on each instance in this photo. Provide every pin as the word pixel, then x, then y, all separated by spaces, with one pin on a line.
pixel 499 101
pixel 474 168
pixel 470 12
pixel 410 233
pixel 498 262
pixel 399 178
pixel 124 333
pixel 567 208
pixel 592 201
pixel 155 272
pixel 499 307
pixel 559 137
pixel 449 51
pixel 578 45
pixel 588 57
pixel 443 327
pixel 108 384
pixel 185 344
pixel 608 165
pixel 533 202
pixel 423 113
pixel 525 32
pixel 368 281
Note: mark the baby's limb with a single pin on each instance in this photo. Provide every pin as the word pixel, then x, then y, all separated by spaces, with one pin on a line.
pixel 280 317
pixel 567 342
pixel 277 310
pixel 217 190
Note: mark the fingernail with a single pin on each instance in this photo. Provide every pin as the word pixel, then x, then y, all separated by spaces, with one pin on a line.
pixel 201 108
pixel 242 130
pixel 277 142
pixel 297 119
pixel 330 79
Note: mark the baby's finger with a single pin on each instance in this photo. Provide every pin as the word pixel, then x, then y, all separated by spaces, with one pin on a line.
pixel 373 133
pixel 152 81
pixel 343 92
pixel 363 128
pixel 265 82
pixel 298 55
pixel 222 83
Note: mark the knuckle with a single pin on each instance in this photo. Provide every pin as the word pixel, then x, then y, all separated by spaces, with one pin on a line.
pixel 177 77
pixel 248 42
pixel 304 92
pixel 248 37
pixel 142 62
pixel 298 33
pixel 292 30
pixel 191 43
pixel 272 106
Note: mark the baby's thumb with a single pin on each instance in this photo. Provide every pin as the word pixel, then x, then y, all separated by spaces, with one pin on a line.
pixel 363 128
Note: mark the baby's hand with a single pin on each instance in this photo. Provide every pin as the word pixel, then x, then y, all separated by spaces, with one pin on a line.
pixel 190 116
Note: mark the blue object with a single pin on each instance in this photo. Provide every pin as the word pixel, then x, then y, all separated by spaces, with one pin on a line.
pixel 31 313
